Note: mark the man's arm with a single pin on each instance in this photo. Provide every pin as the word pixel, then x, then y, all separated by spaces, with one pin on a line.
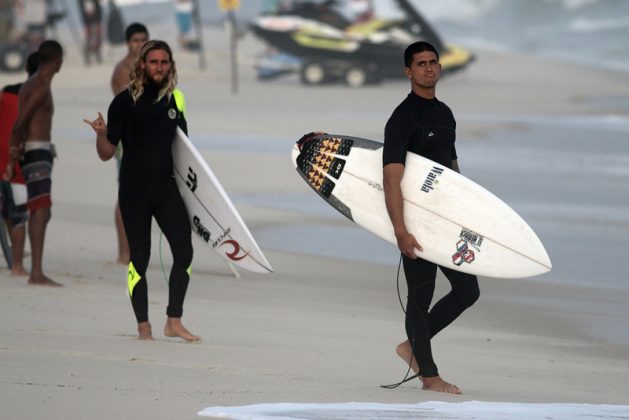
pixel 29 103
pixel 394 199
pixel 104 148
pixel 120 78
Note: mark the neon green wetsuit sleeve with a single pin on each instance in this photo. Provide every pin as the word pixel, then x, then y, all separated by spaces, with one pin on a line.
pixel 180 100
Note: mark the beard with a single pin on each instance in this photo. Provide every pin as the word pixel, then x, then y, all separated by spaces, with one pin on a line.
pixel 157 83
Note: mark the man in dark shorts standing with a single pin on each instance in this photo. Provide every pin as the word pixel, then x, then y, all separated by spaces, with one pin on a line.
pixel 13 196
pixel 30 141
pixel 145 118
pixel 423 125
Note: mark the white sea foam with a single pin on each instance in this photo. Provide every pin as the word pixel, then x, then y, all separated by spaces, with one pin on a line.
pixel 428 410
pixel 595 25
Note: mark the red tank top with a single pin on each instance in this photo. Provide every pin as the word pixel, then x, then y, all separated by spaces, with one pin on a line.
pixel 8 115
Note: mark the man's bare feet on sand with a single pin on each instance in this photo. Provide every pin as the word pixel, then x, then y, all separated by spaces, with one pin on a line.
pixel 41 280
pixel 435 383
pixel 18 272
pixel 174 328
pixel 144 331
pixel 406 353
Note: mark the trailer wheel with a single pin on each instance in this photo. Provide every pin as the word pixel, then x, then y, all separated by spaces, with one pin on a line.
pixel 12 58
pixel 313 73
pixel 356 77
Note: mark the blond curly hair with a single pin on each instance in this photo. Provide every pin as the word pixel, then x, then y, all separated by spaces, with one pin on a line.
pixel 138 75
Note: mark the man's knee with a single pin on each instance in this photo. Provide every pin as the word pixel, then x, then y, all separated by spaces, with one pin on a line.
pixel 466 293
pixel 472 293
pixel 183 256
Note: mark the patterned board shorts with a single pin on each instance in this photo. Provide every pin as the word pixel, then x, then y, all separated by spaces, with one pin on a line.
pixel 37 169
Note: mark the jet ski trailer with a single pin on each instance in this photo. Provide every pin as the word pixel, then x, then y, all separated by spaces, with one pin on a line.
pixel 321 45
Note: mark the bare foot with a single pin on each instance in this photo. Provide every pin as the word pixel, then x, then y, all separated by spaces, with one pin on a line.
pixel 42 280
pixel 174 328
pixel 406 353
pixel 123 260
pixel 435 383
pixel 18 272
pixel 144 331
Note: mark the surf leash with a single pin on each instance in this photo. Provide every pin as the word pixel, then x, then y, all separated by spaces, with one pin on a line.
pixel 161 257
pixel 408 371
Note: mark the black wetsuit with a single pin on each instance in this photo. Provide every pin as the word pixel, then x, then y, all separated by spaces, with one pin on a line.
pixel 147 189
pixel 427 127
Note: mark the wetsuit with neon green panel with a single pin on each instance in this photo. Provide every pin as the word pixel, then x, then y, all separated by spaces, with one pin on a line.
pixel 147 189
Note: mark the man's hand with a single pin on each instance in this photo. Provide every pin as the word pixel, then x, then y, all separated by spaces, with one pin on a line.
pixel 98 125
pixel 9 172
pixel 15 152
pixel 104 148
pixel 307 137
pixel 408 244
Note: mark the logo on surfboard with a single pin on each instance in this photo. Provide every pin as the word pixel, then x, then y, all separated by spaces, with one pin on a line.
pixel 234 255
pixel 201 230
pixel 192 179
pixel 431 179
pixel 463 252
pixel 236 252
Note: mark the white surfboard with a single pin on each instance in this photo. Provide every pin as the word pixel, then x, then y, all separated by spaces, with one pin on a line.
pixel 213 217
pixel 459 224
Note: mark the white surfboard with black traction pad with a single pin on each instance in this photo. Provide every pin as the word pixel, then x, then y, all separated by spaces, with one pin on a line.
pixel 459 224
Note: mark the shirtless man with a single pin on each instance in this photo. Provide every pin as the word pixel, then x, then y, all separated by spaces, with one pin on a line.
pixel 136 35
pixel 14 197
pixel 30 141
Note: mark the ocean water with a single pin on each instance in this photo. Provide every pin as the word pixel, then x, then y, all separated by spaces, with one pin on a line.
pixel 428 410
pixel 588 32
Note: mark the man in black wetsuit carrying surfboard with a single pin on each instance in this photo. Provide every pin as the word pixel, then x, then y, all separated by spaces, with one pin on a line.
pixel 145 118
pixel 423 125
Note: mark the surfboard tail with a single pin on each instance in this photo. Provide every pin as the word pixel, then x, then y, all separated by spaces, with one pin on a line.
pixel 214 218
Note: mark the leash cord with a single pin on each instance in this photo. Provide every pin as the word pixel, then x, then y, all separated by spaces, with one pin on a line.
pixel 408 371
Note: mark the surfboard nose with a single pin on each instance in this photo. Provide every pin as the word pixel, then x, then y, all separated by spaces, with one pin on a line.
pixel 545 260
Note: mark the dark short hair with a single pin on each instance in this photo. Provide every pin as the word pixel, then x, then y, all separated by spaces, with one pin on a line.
pixel 32 63
pixel 417 47
pixel 48 51
pixel 135 28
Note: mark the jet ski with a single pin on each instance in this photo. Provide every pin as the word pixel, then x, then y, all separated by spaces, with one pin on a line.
pixel 318 42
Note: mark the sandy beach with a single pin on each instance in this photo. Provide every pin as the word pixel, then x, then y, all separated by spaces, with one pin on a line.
pixel 322 328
